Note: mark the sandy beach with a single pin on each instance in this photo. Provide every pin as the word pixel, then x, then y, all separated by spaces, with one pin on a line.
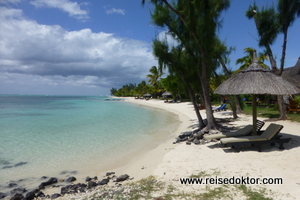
pixel 170 162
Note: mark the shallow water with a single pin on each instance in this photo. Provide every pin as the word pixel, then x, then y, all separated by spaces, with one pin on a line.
pixel 57 135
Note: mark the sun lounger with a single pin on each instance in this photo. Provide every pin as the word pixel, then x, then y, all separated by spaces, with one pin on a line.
pixel 222 107
pixel 247 130
pixel 269 136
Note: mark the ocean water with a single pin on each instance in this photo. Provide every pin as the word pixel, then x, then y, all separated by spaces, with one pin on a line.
pixel 56 135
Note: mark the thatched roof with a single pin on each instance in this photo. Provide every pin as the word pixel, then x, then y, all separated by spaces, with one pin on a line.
pixel 257 80
pixel 167 94
pixel 292 74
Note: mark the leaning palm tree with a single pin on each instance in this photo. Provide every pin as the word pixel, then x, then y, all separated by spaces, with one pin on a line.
pixel 246 61
pixel 287 12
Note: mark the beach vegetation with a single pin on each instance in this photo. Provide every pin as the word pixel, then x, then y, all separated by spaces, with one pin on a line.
pixel 247 60
pixel 270 21
pixel 193 57
pixel 253 195
pixel 151 188
pixel 271 113
pixel 153 79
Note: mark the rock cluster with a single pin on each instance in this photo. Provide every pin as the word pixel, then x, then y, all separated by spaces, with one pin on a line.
pixel 195 137
pixel 90 183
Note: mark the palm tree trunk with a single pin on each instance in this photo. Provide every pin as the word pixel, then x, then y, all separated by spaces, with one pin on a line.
pixel 282 108
pixel 283 51
pixel 238 104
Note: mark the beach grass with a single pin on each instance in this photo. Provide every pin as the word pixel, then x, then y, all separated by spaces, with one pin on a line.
pixel 152 188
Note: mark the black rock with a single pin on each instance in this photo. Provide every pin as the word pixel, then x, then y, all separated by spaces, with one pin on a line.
pixel 82 189
pixel 12 185
pixel 122 178
pixel 103 181
pixel 44 177
pixel 92 184
pixel 7 167
pixel 188 143
pixel 20 164
pixel 183 139
pixel 196 141
pixel 68 189
pixel 40 194
pixel 36 190
pixel 17 197
pixel 88 179
pixel 181 136
pixel 49 182
pixel 54 196
pixel 71 179
pixel 30 196
pixel 18 191
pixel 109 173
pixel 64 190
pixel 188 133
pixel 2 195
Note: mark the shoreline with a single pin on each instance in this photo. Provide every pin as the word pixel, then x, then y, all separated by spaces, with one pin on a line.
pixel 142 166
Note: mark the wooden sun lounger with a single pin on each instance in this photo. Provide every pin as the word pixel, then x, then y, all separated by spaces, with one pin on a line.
pixel 269 136
pixel 247 130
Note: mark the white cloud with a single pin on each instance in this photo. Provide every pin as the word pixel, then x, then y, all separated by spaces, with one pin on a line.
pixel 9 1
pixel 72 8
pixel 33 53
pixel 167 37
pixel 115 11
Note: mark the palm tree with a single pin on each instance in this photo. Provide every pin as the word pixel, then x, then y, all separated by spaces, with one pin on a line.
pixel 154 77
pixel 287 12
pixel 246 61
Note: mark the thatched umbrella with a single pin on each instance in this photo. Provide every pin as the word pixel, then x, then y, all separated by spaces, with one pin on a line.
pixel 147 95
pixel 167 94
pixel 256 80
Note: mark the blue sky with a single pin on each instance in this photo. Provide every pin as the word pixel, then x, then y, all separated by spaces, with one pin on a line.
pixel 86 47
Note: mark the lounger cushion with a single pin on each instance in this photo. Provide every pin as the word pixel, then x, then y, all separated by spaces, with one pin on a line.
pixel 247 130
pixel 242 139
pixel 271 131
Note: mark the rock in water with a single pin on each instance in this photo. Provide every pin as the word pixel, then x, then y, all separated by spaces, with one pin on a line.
pixel 2 195
pixel 20 164
pixel 49 182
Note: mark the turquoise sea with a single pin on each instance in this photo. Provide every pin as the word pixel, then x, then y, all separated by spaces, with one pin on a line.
pixel 56 135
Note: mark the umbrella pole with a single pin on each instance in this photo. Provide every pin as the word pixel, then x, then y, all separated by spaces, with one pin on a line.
pixel 254 113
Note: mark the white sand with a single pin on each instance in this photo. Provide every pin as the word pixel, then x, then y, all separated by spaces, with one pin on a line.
pixel 170 162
